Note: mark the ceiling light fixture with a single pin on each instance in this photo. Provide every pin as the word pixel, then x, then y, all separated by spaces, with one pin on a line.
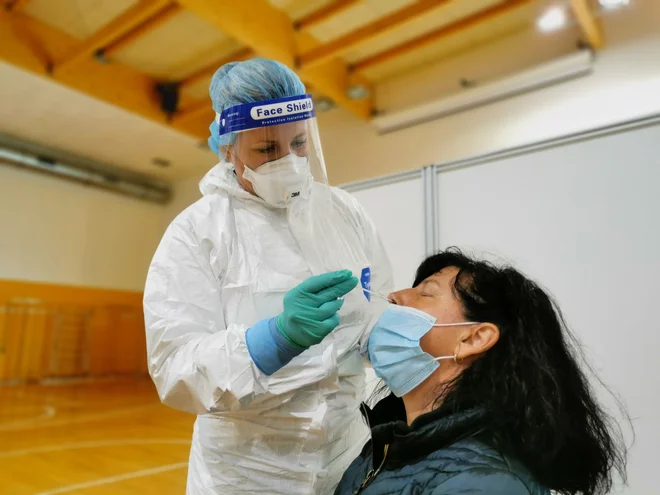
pixel 357 92
pixel 323 104
pixel 552 19
pixel 613 4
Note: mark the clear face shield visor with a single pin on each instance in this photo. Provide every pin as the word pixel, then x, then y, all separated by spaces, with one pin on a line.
pixel 275 147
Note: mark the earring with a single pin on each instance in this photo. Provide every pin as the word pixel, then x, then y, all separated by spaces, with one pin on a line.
pixel 457 361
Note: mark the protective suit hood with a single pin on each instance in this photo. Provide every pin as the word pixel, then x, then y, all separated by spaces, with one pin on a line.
pixel 223 178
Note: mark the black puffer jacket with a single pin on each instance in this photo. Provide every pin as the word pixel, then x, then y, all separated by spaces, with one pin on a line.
pixel 435 455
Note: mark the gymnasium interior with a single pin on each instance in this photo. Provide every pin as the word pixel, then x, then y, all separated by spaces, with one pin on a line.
pixel 526 130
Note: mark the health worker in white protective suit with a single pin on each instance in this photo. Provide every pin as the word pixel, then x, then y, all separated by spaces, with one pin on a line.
pixel 255 311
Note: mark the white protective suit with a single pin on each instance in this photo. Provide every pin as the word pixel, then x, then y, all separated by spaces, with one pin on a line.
pixel 224 264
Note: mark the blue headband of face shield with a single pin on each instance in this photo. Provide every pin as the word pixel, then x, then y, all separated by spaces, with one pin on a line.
pixel 256 115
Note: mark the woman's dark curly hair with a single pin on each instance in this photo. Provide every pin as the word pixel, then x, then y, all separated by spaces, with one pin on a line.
pixel 541 408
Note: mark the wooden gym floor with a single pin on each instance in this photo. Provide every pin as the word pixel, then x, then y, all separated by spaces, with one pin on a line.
pixel 93 438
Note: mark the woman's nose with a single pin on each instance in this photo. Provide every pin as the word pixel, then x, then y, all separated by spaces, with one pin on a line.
pixel 398 298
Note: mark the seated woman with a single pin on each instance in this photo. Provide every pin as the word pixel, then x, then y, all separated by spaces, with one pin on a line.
pixel 488 396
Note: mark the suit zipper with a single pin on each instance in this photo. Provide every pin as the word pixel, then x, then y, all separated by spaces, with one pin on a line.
pixel 373 473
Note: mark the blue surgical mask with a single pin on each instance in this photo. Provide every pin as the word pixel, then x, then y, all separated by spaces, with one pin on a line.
pixel 394 349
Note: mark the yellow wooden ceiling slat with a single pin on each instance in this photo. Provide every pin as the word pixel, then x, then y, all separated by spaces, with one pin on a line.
pixel 115 84
pixel 439 34
pixel 590 26
pixel 269 32
pixel 207 72
pixel 380 27
pixel 317 17
pixel 111 32
pixel 252 23
pixel 132 36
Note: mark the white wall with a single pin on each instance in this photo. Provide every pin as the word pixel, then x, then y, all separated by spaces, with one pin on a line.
pixel 60 232
pixel 624 85
pixel 582 219
pixel 400 223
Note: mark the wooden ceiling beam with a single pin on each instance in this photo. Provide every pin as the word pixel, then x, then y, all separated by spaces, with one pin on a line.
pixel 138 32
pixel 23 33
pixel 115 84
pixel 380 27
pixel 588 23
pixel 124 23
pixel 464 24
pixel 323 14
pixel 269 31
pixel 208 71
pixel 195 111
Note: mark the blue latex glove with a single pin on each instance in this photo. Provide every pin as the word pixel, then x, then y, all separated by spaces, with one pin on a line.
pixel 310 313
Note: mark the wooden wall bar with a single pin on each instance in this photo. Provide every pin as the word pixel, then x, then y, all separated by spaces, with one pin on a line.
pixel 52 331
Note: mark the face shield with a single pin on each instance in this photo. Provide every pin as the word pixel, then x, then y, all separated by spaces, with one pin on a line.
pixel 276 148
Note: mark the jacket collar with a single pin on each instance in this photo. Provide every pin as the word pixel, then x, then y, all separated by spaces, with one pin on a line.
pixel 428 433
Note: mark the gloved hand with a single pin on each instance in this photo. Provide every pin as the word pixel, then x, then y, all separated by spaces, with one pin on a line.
pixel 310 309
pixel 310 313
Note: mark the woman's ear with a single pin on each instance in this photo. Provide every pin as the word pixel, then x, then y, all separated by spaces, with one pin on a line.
pixel 477 340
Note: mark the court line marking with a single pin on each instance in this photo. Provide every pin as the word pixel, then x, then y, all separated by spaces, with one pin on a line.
pixel 48 412
pixel 114 479
pixel 35 424
pixel 66 402
pixel 98 443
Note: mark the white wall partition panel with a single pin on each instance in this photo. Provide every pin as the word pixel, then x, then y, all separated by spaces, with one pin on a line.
pixel 397 209
pixel 582 217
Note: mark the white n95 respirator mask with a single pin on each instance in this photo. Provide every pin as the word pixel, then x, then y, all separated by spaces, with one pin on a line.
pixel 281 181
